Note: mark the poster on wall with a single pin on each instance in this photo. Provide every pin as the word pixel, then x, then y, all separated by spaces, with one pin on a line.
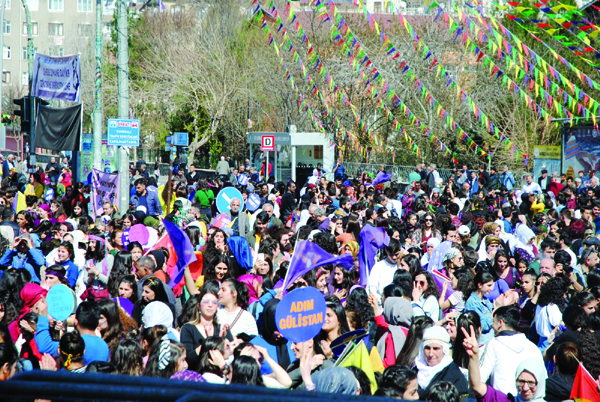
pixel 546 157
pixel 581 147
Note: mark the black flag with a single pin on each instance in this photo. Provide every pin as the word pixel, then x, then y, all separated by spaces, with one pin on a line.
pixel 58 129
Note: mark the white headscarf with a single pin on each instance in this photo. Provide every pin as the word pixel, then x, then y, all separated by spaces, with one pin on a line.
pixel 523 235
pixel 538 370
pixel 431 335
pixel 158 313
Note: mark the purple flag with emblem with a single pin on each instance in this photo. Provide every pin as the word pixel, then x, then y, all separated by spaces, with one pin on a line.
pixel 308 256
pixel 371 240
pixel 183 248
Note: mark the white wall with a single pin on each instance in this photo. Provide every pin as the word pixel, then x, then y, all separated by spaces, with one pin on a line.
pixel 305 140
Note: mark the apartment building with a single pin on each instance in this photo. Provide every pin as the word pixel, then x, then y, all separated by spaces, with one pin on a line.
pixel 60 27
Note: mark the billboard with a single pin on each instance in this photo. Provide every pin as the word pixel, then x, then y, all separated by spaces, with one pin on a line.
pixel 580 149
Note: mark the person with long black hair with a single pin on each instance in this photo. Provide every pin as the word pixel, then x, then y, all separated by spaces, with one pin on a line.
pixel 548 313
pixel 153 290
pixel 233 296
pixel 202 324
pixel 483 283
pixel 246 371
pixel 276 345
pixel 335 324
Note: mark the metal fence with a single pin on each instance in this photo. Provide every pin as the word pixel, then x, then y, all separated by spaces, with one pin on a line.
pixel 400 173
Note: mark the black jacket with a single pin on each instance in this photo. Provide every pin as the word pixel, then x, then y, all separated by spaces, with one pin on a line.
pixel 453 375
pixel 558 387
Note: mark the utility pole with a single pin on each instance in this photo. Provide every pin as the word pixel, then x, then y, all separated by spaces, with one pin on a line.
pixel 3 7
pixel 98 123
pixel 123 95
pixel 30 56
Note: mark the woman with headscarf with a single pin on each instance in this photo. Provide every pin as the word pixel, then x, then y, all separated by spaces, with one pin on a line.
pixel 523 246
pixel 398 314
pixel 269 337
pixel 435 364
pixel 530 377
pixel 333 380
pixel 158 313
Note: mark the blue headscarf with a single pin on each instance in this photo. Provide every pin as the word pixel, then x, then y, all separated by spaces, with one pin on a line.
pixel 241 251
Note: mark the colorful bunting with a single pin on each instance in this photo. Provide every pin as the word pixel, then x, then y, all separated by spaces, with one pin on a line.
pixel 356 50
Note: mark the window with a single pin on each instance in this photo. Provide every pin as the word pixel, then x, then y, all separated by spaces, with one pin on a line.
pixel 24 52
pixel 34 5
pixel 7 6
pixel 55 5
pixel 6 53
pixel 6 27
pixel 56 51
pixel 25 78
pixel 390 8
pixel 84 6
pixel 6 77
pixel 377 7
pixel 318 152
pixel 84 30
pixel 55 29
pixel 34 28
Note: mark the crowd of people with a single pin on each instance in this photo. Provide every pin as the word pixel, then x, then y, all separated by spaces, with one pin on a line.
pixel 480 287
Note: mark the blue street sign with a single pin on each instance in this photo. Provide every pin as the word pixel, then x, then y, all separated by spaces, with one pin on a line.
pixel 124 132
pixel 243 180
pixel 168 142
pixel 253 202
pixel 225 197
pixel 181 139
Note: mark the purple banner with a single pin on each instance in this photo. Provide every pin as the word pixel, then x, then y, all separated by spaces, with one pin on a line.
pixel 105 188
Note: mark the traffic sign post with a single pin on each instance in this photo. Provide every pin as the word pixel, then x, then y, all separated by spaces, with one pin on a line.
pixel 124 132
pixel 267 143
pixel 225 197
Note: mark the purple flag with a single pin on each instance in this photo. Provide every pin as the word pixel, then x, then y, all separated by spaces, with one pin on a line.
pixel 183 249
pixel 308 256
pixel 106 187
pixel 382 178
pixel 439 279
pixel 436 261
pixel 371 240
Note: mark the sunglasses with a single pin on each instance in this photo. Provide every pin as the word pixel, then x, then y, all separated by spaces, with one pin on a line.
pixel 422 283
pixel 428 220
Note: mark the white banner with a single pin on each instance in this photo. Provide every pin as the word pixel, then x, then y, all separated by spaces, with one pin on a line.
pixel 57 77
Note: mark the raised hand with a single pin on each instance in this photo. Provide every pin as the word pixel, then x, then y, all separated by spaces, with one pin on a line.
pixel 470 342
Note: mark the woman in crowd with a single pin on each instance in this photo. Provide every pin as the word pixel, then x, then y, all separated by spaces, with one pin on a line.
pixel 411 347
pixel 427 231
pixel 203 324
pixel 122 266
pixel 94 278
pixel 335 323
pixel 548 313
pixel 157 367
pixel 152 291
pixel 214 352
pixel 127 357
pixel 435 364
pixel 483 283
pixel 425 296
pixel 341 282
pixel 233 296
